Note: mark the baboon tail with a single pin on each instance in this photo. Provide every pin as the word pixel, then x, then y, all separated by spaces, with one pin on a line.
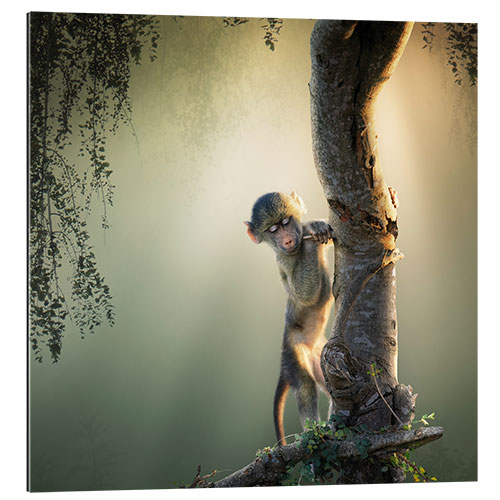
pixel 279 407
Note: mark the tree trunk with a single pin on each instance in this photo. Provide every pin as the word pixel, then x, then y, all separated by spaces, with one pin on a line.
pixel 350 63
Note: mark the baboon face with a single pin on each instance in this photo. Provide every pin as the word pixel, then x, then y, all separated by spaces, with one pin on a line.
pixel 285 236
pixel 276 220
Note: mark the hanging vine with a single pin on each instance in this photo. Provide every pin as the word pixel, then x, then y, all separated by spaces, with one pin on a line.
pixel 79 73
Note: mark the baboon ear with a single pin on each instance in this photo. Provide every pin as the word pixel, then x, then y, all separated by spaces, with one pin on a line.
pixel 251 232
pixel 300 202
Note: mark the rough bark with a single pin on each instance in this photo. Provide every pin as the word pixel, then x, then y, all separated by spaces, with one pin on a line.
pixel 350 63
pixel 268 470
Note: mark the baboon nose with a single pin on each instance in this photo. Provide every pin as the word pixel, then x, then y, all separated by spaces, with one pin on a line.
pixel 288 243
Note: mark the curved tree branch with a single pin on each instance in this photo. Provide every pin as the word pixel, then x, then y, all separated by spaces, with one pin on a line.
pixel 267 470
pixel 350 63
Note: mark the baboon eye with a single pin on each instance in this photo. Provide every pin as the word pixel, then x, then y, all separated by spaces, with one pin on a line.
pixel 284 222
pixel 273 228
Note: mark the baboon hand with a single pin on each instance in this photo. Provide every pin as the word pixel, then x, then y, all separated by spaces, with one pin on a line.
pixel 319 231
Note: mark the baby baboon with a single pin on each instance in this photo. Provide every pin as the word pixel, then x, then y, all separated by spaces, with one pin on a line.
pixel 300 253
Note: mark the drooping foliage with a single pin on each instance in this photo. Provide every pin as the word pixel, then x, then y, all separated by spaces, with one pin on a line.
pixel 461 48
pixel 79 72
pixel 271 27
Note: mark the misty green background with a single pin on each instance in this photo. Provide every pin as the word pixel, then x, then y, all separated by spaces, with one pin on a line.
pixel 187 374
